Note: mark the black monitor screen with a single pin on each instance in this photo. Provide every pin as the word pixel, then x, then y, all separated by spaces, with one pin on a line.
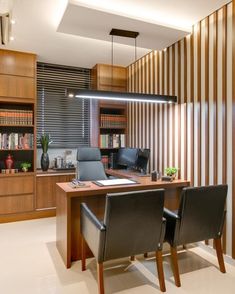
pixel 127 157
pixel 142 159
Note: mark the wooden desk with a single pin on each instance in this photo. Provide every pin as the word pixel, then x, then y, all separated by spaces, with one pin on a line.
pixel 68 209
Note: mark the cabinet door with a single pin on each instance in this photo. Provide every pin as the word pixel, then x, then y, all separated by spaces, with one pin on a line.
pixel 46 190
pixel 17 63
pixel 111 78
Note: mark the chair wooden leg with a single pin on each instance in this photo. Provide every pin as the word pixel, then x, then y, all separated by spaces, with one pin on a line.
pixel 175 268
pixel 100 273
pixel 146 255
pixel 83 253
pixel 132 258
pixel 160 271
pixel 219 252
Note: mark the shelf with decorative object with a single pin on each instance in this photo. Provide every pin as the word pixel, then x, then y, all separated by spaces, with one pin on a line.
pixel 17 132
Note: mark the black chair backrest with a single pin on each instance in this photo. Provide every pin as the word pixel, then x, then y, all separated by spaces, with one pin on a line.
pixel 202 213
pixel 133 223
pixel 90 167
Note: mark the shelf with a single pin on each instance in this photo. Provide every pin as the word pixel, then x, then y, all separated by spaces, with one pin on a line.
pixel 113 128
pixel 11 150
pixel 110 148
pixel 17 174
pixel 16 125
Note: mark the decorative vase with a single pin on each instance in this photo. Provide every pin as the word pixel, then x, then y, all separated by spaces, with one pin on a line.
pixel 9 162
pixel 45 161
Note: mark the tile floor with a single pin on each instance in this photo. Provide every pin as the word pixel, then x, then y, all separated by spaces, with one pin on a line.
pixel 30 264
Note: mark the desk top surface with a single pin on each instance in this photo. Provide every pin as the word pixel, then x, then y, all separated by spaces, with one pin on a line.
pixel 143 183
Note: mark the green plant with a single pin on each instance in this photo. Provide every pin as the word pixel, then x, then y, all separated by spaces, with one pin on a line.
pixel 45 141
pixel 25 166
pixel 170 171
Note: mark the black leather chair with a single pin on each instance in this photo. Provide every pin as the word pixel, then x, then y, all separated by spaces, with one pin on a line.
pixel 90 167
pixel 133 224
pixel 200 217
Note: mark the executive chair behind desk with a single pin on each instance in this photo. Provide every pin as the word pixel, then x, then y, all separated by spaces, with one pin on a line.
pixel 133 224
pixel 90 167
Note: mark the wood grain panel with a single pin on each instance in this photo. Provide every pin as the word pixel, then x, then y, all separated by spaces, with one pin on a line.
pixel 193 135
pixel 16 204
pixel 17 63
pixel 46 190
pixel 16 185
pixel 233 127
pixel 17 87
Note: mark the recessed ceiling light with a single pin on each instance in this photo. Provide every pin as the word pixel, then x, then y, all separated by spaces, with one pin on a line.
pixel 12 38
pixel 71 95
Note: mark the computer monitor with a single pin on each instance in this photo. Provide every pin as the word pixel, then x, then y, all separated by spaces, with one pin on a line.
pixel 127 157
pixel 142 160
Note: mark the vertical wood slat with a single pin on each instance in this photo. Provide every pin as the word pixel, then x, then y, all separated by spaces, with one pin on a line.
pixel 233 127
pixel 192 107
pixel 207 101
pixel 224 107
pixel 199 106
pixel 215 91
pixel 185 101
pixel 179 101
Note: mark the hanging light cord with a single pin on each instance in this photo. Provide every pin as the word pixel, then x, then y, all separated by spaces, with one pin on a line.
pixel 112 65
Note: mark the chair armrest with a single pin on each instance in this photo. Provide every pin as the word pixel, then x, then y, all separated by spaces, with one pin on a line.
pixel 93 231
pixel 162 235
pixel 170 214
pixel 172 226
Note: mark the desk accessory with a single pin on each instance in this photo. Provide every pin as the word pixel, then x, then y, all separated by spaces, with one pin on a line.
pixel 167 178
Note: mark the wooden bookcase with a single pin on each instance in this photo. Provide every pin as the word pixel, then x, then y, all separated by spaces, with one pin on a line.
pixel 109 78
pixel 17 106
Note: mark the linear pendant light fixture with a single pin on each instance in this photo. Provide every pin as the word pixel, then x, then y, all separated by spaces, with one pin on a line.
pixel 122 96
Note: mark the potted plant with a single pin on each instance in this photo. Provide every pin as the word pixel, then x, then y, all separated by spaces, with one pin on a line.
pixel 45 141
pixel 25 166
pixel 171 171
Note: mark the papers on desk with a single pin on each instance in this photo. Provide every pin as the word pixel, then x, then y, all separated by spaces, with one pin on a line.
pixel 115 182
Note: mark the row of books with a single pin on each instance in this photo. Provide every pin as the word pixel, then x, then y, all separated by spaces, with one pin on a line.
pixel 16 141
pixel 112 140
pixel 112 121
pixel 16 117
pixel 105 161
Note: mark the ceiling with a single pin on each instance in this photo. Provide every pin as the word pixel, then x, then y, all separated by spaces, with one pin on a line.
pixel 76 32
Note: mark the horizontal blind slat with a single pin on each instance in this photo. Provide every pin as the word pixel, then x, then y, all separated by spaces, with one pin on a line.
pixel 67 120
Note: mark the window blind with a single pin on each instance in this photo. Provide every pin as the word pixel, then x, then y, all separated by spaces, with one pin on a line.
pixel 67 120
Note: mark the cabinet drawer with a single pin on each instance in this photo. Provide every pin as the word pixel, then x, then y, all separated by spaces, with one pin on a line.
pixel 16 185
pixel 16 204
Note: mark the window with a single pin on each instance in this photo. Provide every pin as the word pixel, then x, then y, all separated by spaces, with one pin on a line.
pixel 67 120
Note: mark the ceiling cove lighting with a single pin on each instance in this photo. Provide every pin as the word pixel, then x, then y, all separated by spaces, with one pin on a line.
pixel 122 96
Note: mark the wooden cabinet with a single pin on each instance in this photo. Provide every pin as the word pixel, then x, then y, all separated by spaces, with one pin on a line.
pixel 106 77
pixel 17 131
pixel 45 189
pixel 109 78
pixel 17 87
pixel 17 63
pixel 16 193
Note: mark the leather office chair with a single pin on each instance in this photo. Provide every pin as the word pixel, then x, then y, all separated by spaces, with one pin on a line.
pixel 133 224
pixel 90 167
pixel 200 217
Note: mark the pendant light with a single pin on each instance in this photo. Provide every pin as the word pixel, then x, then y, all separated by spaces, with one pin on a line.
pixel 122 96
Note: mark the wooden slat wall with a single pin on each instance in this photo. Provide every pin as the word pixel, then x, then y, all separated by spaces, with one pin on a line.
pixel 196 134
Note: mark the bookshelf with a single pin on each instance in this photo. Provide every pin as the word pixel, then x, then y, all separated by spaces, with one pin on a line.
pixel 17 132
pixel 113 130
pixel 110 133
pixel 16 135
